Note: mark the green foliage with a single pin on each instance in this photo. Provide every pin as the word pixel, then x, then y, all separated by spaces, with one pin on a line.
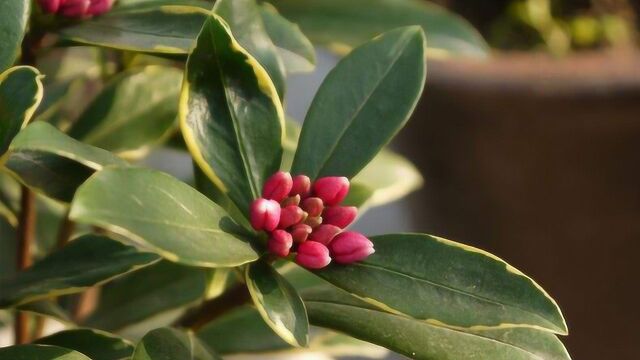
pixel 14 16
pixel 174 266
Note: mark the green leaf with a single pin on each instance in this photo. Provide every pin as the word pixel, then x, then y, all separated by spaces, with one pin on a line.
pixel 329 307
pixel 20 94
pixel 46 308
pixel 388 177
pixel 156 289
pixel 99 345
pixel 239 331
pixel 278 303
pixel 7 214
pixel 53 163
pixel 363 102
pixel 165 29
pixel 39 352
pixel 245 23
pixel 14 16
pixel 342 25
pixel 162 214
pixel 135 111
pixel 295 50
pixel 167 343
pixel 444 282
pixel 230 115
pixel 86 261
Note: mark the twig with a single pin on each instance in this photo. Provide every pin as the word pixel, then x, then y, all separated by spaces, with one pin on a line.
pixel 212 309
pixel 26 231
pixel 67 226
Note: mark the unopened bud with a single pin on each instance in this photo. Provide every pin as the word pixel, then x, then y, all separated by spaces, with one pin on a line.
pixel 332 189
pixel 278 186
pixel 301 186
pixel 340 216
pixel 291 200
pixel 280 243
pixel 290 215
pixel 50 6
pixel 313 221
pixel 264 214
pixel 300 232
pixel 74 8
pixel 313 206
pixel 313 255
pixel 324 233
pixel 99 7
pixel 350 246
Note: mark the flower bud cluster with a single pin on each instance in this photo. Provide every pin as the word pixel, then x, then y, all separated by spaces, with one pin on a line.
pixel 76 8
pixel 306 218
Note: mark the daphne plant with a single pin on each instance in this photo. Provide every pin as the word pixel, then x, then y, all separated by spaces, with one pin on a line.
pixel 253 250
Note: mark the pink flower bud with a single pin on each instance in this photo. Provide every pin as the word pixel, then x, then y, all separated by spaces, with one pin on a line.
pixel 74 8
pixel 280 243
pixel 340 216
pixel 50 6
pixel 300 232
pixel 349 247
pixel 313 221
pixel 313 255
pixel 290 216
pixel 313 206
pixel 301 185
pixel 264 214
pixel 332 189
pixel 291 200
pixel 99 7
pixel 278 186
pixel 324 233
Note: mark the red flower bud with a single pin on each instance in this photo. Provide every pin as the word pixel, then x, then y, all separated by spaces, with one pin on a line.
pixel 264 214
pixel 290 216
pixel 324 233
pixel 300 232
pixel 313 255
pixel 340 216
pixel 278 186
pixel 350 246
pixel 99 7
pixel 291 200
pixel 313 206
pixel 301 185
pixel 313 221
pixel 280 243
pixel 50 6
pixel 332 189
pixel 74 8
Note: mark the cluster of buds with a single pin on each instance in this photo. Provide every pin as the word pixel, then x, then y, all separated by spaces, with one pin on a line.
pixel 76 8
pixel 307 219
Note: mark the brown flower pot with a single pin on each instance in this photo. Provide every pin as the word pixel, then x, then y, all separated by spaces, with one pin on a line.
pixel 538 160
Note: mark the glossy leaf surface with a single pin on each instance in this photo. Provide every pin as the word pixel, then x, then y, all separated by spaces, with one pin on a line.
pixel 230 115
pixel 14 16
pixel 167 343
pixel 20 94
pixel 135 111
pixel 142 28
pixel 156 289
pixel 99 345
pixel 53 163
pixel 444 282
pixel 39 352
pixel 342 25
pixel 162 214
pixel 295 50
pixel 278 303
pixel 246 25
pixel 417 339
pixel 87 261
pixel 363 102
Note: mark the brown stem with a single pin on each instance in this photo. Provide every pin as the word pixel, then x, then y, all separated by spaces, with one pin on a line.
pixel 26 232
pixel 65 231
pixel 212 309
